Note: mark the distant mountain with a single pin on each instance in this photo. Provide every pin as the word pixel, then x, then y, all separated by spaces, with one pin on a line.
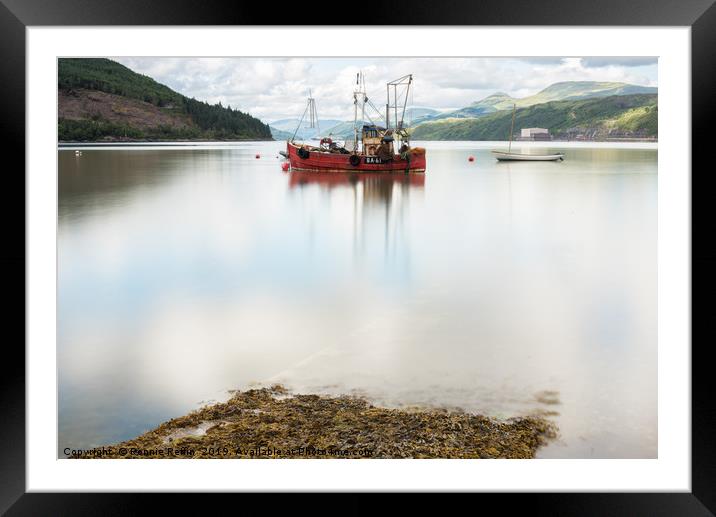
pixel 305 132
pixel 476 109
pixel 487 105
pixel 338 129
pixel 344 130
pixel 430 123
pixel 573 90
pixel 568 90
pixel 416 115
pixel 416 112
pixel 277 134
pixel 100 99
pixel 597 117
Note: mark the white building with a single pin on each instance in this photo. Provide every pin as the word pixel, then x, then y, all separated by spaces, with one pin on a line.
pixel 533 132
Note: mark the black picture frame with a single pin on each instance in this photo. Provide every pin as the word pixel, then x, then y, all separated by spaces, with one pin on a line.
pixel 700 15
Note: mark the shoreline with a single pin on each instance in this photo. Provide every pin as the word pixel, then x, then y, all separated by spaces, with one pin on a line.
pixel 69 143
pixel 271 423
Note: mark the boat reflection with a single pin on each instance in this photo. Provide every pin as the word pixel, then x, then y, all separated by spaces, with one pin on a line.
pixel 380 203
pixel 334 179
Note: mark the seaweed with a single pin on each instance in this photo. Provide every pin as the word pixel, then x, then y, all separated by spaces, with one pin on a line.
pixel 272 423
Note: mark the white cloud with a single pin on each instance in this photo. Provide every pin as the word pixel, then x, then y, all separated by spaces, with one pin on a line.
pixel 276 88
pixel 596 61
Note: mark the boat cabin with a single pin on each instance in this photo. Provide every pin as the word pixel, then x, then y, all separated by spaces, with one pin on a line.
pixel 376 140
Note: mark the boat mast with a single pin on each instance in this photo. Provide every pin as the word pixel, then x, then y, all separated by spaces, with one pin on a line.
pixel 355 114
pixel 313 113
pixel 405 83
pixel 405 102
pixel 312 116
pixel 359 91
pixel 387 106
pixel 293 137
pixel 365 97
pixel 395 99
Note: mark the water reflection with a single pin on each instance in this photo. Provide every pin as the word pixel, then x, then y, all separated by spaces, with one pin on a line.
pixel 374 196
pixel 187 272
pixel 102 180
pixel 378 182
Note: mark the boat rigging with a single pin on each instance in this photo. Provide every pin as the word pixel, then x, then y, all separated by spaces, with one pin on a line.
pixel 312 114
pixel 375 135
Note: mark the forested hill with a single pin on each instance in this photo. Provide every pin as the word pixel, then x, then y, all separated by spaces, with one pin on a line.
pixel 618 116
pixel 100 99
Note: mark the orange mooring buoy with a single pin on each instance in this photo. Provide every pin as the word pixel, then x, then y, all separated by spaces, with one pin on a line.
pixel 470 158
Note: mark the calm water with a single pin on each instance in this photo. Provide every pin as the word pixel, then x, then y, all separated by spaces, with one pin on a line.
pixel 498 288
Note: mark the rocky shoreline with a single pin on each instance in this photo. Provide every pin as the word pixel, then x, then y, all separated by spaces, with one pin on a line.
pixel 273 423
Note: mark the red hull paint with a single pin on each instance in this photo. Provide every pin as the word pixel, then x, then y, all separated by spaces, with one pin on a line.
pixel 333 162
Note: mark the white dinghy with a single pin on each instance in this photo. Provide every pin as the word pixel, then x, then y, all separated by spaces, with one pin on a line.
pixel 507 156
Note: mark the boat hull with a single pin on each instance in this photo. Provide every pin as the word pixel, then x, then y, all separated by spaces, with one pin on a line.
pixel 517 157
pixel 334 162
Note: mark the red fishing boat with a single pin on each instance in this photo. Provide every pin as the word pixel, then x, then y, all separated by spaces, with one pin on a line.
pixel 375 147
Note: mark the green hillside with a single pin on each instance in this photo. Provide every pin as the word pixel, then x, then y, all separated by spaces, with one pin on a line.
pixel 567 90
pixel 102 99
pixel 623 115
pixel 574 90
pixel 490 104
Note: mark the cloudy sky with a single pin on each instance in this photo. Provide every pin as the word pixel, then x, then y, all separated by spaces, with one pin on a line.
pixel 276 88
